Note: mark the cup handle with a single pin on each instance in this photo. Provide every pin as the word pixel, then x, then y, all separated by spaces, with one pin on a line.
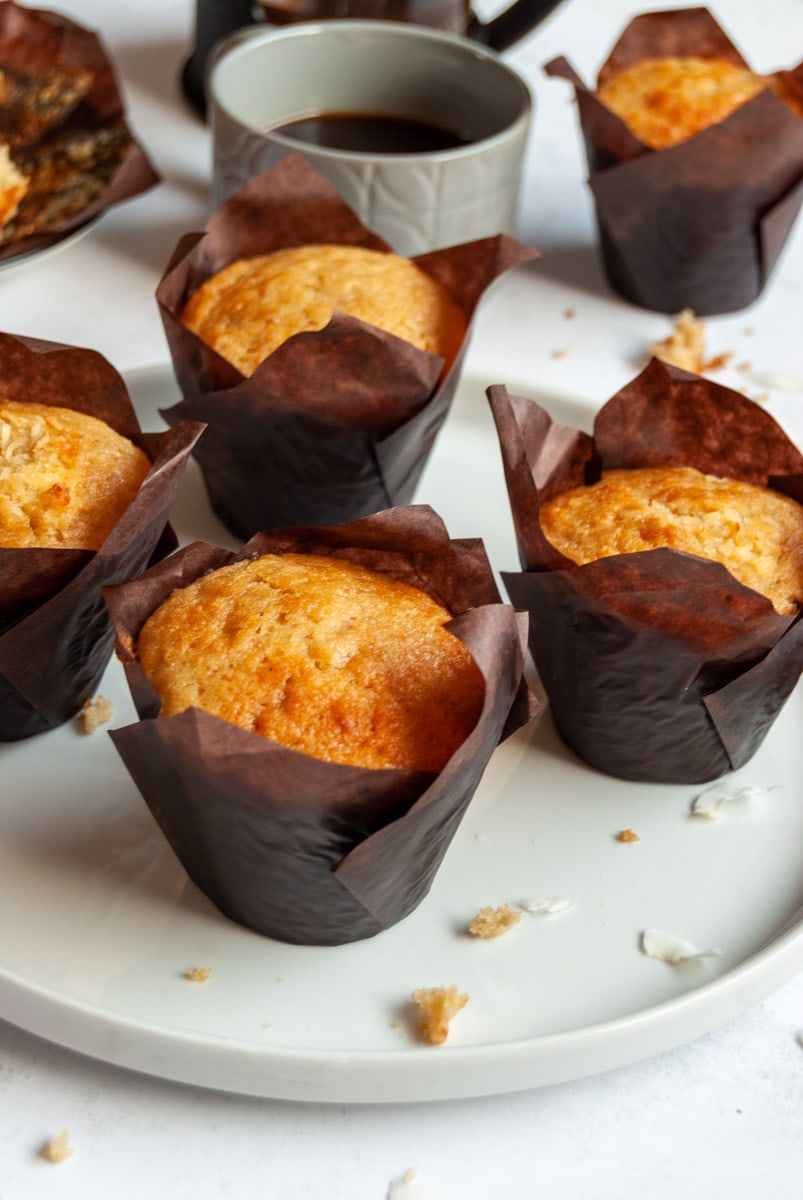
pixel 511 25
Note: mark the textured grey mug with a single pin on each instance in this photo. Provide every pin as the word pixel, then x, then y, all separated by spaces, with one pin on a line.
pixel 416 201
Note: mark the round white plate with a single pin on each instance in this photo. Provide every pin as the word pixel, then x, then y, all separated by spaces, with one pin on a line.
pixel 99 926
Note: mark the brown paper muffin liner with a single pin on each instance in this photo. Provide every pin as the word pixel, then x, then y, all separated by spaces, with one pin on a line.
pixel 36 41
pixel 658 665
pixel 334 425
pixel 701 224
pixel 295 848
pixel 55 634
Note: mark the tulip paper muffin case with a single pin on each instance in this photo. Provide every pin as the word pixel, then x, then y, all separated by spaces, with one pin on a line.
pixel 293 847
pixel 658 665
pixel 700 224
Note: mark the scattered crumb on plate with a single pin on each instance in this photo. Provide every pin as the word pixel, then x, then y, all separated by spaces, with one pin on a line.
pixel 685 346
pixel 95 713
pixel 562 352
pixel 627 835
pixel 198 974
pixel 709 803
pixel 409 1187
pixel 569 313
pixel 546 905
pixel 670 948
pixel 436 1008
pixel 493 922
pixel 57 1149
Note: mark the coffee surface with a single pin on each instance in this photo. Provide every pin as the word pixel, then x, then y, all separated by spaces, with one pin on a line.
pixel 371 133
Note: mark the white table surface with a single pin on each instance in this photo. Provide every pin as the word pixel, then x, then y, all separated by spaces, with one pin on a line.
pixel 722 1114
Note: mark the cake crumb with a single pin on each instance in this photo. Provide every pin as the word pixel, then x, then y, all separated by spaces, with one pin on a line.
pixel 436 1008
pixel 493 922
pixel 569 314
pixel 198 974
pixel 670 948
pixel 561 353
pixel 627 835
pixel 57 1149
pixel 96 713
pixel 685 346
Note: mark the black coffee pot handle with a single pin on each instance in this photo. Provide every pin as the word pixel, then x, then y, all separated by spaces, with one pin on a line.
pixel 511 25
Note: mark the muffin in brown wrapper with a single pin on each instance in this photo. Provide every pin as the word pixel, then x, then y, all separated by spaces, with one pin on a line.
pixel 336 424
pixel 55 634
pixel 290 846
pixel 658 665
pixel 700 224
pixel 83 157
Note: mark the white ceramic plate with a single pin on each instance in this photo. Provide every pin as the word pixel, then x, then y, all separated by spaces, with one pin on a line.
pixel 29 257
pixel 98 924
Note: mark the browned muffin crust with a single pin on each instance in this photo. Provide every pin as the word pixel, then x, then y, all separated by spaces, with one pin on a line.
pixel 247 310
pixel 664 101
pixel 65 477
pixel 755 532
pixel 321 655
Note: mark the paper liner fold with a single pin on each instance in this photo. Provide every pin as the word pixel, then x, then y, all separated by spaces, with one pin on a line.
pixel 55 635
pixel 335 424
pixel 699 225
pixel 35 40
pixel 658 665
pixel 292 847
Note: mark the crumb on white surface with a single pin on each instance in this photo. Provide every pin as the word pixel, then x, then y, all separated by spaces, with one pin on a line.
pixel 57 1149
pixel 546 905
pixel 685 346
pixel 410 1187
pixel 627 835
pixel 493 922
pixel 708 804
pixel 437 1006
pixel 562 352
pixel 198 974
pixel 670 948
pixel 95 713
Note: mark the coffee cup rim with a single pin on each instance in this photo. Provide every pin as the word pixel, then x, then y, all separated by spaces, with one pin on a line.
pixel 250 38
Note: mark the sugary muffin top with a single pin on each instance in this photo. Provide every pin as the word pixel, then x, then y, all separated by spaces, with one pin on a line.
pixel 322 655
pixel 65 477
pixel 248 309
pixel 755 532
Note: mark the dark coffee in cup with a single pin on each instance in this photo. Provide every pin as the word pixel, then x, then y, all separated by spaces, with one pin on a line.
pixel 371 133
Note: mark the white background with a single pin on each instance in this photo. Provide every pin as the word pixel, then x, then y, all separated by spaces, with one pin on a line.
pixel 720 1115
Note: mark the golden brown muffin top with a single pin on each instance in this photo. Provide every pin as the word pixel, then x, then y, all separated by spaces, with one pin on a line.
pixel 322 655
pixel 755 532
pixel 65 477
pixel 248 309
pixel 664 101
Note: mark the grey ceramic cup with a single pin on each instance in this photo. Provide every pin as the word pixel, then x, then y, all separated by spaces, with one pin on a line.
pixel 415 202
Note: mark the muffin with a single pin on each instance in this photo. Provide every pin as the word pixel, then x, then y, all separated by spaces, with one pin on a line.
pixel 364 674
pixel 327 657
pixel 84 501
pixel 66 150
pixel 66 477
pixel 251 307
pixel 755 532
pixel 337 422
pixel 695 161
pixel 663 572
